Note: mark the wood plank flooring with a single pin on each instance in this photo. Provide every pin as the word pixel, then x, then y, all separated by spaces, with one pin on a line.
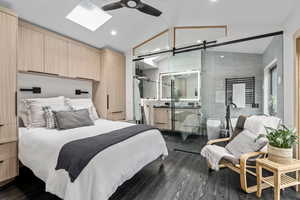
pixel 184 177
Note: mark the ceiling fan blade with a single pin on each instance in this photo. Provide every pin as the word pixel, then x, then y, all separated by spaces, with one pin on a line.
pixel 112 6
pixel 145 8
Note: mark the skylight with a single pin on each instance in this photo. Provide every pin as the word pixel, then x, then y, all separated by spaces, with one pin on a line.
pixel 88 15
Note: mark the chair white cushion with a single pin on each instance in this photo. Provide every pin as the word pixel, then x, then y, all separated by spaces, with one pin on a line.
pixel 245 142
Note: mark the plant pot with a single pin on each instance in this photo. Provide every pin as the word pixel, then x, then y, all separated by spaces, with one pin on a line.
pixel 280 155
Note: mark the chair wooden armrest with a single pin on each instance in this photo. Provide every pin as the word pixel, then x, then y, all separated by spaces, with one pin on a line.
pixel 243 170
pixel 218 140
pixel 246 156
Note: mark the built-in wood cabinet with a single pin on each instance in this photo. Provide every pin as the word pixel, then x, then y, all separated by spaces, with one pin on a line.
pixel 84 62
pixel 43 51
pixel 56 56
pixel 8 66
pixel 30 50
pixel 162 118
pixel 109 95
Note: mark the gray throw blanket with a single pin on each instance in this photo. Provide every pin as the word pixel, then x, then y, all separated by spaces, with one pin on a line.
pixel 74 156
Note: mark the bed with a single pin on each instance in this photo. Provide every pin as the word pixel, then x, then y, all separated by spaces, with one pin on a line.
pixel 39 150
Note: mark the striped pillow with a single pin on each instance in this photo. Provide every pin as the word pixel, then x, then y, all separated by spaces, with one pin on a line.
pixel 49 117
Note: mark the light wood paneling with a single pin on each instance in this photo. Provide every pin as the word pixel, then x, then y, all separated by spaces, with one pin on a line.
pixel 75 60
pixel 84 62
pixel 93 64
pixel 162 118
pixel 8 150
pixel 30 50
pixel 109 94
pixel 8 64
pixel 8 133
pixel 8 169
pixel 161 115
pixel 56 56
pixel 116 81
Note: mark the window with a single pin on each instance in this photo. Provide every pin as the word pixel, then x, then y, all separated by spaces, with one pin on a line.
pixel 271 88
pixel 272 91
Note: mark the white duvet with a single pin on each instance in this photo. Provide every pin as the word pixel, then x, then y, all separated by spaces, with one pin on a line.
pixel 39 149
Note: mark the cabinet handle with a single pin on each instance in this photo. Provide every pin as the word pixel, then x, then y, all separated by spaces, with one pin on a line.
pixel 107 101
pixel 16 103
pixel 1 124
pixel 117 112
pixel 1 161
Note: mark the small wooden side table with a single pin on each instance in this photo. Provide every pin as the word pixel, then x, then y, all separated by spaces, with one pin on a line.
pixel 280 179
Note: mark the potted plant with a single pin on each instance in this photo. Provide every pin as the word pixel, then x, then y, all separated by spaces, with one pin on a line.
pixel 281 142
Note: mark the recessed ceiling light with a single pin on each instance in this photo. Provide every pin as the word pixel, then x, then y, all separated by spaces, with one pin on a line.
pixel 113 32
pixel 199 41
pixel 222 56
pixel 157 49
pixel 88 15
pixel 214 0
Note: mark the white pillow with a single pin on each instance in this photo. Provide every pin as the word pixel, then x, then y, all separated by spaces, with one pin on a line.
pixel 87 103
pixel 35 112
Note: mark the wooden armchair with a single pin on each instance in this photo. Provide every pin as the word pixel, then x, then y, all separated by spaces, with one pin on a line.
pixel 244 166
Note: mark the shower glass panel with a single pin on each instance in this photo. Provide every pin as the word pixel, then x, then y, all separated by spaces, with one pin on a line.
pixel 245 76
pixel 202 92
pixel 184 78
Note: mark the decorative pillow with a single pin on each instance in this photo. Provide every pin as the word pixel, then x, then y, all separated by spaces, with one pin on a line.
pixel 73 119
pixel 24 113
pixel 35 112
pixel 49 117
pixel 245 142
pixel 78 104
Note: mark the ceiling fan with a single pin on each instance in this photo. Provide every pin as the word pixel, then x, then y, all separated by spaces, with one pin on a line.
pixel 133 4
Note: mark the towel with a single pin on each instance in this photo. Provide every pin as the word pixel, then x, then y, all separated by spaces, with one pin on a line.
pixel 256 124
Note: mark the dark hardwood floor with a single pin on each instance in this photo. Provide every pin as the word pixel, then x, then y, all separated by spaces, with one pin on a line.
pixel 184 177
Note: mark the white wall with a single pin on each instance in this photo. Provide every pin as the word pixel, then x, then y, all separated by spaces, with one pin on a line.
pixel 291 26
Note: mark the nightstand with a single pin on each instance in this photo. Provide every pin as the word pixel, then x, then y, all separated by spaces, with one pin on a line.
pixel 280 179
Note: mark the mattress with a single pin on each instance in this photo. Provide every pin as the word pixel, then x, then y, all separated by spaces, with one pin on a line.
pixel 39 149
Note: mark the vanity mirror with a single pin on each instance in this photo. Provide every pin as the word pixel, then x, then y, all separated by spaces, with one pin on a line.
pixel 186 86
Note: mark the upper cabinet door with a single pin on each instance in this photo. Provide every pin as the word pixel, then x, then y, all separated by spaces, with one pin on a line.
pixel 56 56
pixel 76 60
pixel 30 50
pixel 8 66
pixel 84 62
pixel 92 64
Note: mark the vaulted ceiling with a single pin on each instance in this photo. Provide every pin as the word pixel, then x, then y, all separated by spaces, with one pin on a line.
pixel 241 16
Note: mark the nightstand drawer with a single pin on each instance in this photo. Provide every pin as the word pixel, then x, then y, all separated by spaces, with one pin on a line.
pixel 8 169
pixel 8 150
